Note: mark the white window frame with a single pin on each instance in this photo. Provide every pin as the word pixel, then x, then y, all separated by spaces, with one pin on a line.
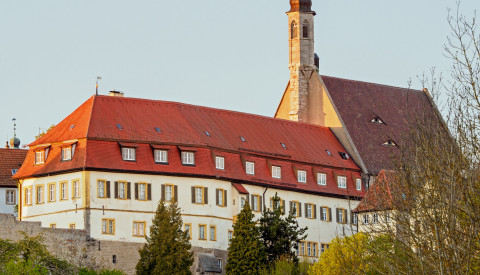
pixel 161 156
pixel 169 189
pixel 188 158
pixel 302 176
pixel 67 153
pixel 51 192
pixel 276 172
pixel 76 189
pixel 101 188
pixel 309 211
pixel 387 216
pixel 322 179
pixel 40 193
pixel 64 191
pixel 214 233
pixel 220 163
pixel 139 229
pixel 342 182
pixel 122 194
pixel 40 157
pixel 355 218
pixel 341 219
pixel 220 197
pixel 108 226
pixel 324 214
pixel 28 196
pixel 375 218
pixel 201 233
pixel 199 195
pixel 128 153
pixel 358 184
pixel 142 191
pixel 255 202
pixel 10 197
pixel 243 201
pixel 250 168
pixel 366 219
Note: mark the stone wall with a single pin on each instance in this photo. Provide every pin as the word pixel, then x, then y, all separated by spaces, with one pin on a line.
pixel 78 248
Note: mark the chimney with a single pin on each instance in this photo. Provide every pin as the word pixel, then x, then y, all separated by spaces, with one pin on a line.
pixel 316 61
pixel 115 93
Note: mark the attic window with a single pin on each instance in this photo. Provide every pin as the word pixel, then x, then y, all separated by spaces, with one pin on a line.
pixel 157 129
pixel 243 139
pixel 283 145
pixel 207 133
pixel 119 126
pixel 390 143
pixel 344 155
pixel 377 120
pixel 72 126
pixel 328 153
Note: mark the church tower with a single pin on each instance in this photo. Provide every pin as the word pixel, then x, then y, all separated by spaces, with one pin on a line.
pixel 301 56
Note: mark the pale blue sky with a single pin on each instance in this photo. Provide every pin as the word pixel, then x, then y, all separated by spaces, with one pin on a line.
pixel 219 53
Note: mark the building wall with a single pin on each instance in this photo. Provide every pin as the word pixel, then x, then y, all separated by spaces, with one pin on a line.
pixel 4 207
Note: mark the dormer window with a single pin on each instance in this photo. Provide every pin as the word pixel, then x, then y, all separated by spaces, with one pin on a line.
pixel 220 163
pixel 302 176
pixel 128 154
pixel 390 143
pixel 14 171
pixel 344 155
pixel 342 182
pixel 66 153
pixel 161 156
pixel 250 168
pixel 377 120
pixel 188 158
pixel 40 157
pixel 293 29
pixel 276 172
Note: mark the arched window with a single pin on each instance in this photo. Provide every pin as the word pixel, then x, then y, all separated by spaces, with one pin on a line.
pixel 305 29
pixel 294 29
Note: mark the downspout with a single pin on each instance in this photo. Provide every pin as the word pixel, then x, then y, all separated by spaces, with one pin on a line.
pixel 264 206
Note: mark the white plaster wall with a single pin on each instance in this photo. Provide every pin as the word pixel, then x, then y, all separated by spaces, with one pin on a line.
pixel 60 212
pixel 4 207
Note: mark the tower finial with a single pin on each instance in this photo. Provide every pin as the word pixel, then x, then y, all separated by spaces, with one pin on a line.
pixel 96 84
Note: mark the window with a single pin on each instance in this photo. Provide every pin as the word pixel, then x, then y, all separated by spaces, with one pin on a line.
pixel 314 250
pixel 221 197
pixel 390 143
pixel 219 262
pixel 220 163
pixel 366 219
pixel 63 190
pixel 139 229
pixel 188 158
pixel 230 236
pixel 250 168
pixel 321 179
pixel 387 216
pixel 53 225
pixel 121 190
pixel 39 157
pixel 161 156
pixel 242 202
pixel 199 195
pixel 341 215
pixel 76 188
pixel 293 29
pixel 358 183
pixel 128 154
pixel 302 248
pixel 309 249
pixel 302 176
pixel 295 208
pixel 324 247
pixel 325 214
pixel 305 29
pixel 256 203
pixel 377 120
pixel 51 192
pixel 342 182
pixel 28 196
pixel 67 153
pixel 213 233
pixel 201 232
pixel 169 192
pixel 375 218
pixel 142 191
pixel 310 211
pixel 276 172
pixel 108 226
pixel 39 194
pixel 101 189
pixel 10 199
pixel 188 228
pixel 355 218
pixel 71 226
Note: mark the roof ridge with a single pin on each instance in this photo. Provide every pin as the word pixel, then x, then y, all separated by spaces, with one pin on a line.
pixel 202 108
pixel 372 83
pixel 88 128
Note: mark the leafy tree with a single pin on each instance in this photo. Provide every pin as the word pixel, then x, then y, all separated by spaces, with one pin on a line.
pixel 280 235
pixel 167 248
pixel 246 254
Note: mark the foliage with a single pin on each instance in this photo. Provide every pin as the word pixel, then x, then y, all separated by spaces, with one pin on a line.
pixel 44 132
pixel 85 271
pixel 167 248
pixel 280 235
pixel 284 266
pixel 246 253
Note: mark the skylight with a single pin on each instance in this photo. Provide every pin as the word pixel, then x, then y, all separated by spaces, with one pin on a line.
pixel 72 126
pixel 328 153
pixel 119 127
pixel 377 120
pixel 344 155
pixel 158 130
pixel 390 143
pixel 243 139
pixel 14 171
pixel 207 133
pixel 283 145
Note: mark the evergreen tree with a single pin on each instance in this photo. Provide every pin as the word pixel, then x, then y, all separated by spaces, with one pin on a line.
pixel 167 250
pixel 280 235
pixel 246 253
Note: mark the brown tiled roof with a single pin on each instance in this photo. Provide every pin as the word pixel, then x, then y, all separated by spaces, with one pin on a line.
pixel 10 159
pixel 359 102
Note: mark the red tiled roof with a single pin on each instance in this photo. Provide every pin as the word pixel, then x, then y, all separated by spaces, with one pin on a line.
pixel 10 159
pixel 240 188
pixel 359 102
pixel 183 127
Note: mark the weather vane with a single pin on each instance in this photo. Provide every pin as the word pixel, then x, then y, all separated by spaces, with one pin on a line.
pixel 14 128
pixel 96 84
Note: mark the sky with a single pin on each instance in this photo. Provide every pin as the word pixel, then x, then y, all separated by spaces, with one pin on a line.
pixel 218 53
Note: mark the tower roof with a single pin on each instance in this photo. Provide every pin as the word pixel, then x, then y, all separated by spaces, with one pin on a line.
pixel 301 5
